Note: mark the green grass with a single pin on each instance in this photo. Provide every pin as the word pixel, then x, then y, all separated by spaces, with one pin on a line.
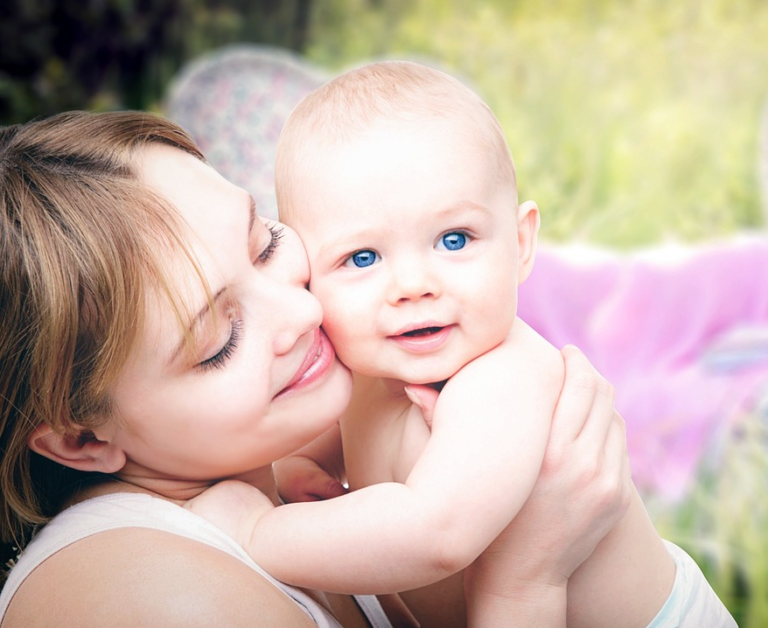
pixel 630 122
pixel 722 523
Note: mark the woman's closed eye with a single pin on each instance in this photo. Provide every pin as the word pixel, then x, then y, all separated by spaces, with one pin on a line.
pixel 276 232
pixel 236 325
pixel 226 352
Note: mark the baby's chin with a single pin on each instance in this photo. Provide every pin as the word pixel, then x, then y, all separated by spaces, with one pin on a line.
pixel 434 377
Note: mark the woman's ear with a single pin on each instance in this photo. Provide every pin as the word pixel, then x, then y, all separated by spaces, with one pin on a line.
pixel 528 221
pixel 83 451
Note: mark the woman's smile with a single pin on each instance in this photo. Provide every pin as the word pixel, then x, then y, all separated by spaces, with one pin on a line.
pixel 317 362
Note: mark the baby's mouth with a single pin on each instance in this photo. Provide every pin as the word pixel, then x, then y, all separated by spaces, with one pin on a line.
pixel 425 331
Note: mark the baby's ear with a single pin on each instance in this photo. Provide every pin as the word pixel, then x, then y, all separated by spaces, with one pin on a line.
pixel 83 451
pixel 528 221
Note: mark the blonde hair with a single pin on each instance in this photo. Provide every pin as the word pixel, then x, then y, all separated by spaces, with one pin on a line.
pixel 79 237
pixel 394 90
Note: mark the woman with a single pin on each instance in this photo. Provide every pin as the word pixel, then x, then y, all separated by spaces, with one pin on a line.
pixel 156 337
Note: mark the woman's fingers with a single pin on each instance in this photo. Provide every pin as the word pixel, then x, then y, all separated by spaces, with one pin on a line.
pixel 616 446
pixel 602 413
pixel 588 437
pixel 576 397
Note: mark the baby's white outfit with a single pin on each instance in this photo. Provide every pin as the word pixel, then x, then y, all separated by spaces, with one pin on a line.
pixel 692 603
pixel 123 510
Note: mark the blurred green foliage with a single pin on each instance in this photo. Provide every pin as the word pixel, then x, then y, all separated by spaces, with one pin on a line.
pixel 116 54
pixel 722 521
pixel 630 122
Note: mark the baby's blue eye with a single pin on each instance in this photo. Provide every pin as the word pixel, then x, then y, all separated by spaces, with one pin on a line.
pixel 453 241
pixel 362 259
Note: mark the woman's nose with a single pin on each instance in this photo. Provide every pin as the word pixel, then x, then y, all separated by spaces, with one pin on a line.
pixel 297 313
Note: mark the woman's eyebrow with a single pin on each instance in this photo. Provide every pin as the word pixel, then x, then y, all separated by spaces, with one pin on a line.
pixel 252 209
pixel 206 307
pixel 197 320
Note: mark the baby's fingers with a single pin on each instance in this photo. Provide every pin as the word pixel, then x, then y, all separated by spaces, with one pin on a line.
pixel 301 479
pixel 424 398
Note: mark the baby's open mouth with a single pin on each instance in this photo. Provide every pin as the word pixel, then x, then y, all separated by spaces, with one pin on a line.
pixel 426 331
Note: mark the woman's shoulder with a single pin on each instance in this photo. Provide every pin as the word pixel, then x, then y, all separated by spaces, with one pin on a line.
pixel 143 576
pixel 132 560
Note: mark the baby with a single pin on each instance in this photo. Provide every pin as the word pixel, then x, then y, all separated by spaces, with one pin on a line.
pixel 400 183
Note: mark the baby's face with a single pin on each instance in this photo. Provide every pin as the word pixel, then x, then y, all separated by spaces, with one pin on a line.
pixel 413 249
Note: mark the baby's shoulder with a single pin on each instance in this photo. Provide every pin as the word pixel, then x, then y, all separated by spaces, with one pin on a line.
pixel 522 352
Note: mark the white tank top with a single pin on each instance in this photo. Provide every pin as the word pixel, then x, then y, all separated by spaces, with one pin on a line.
pixel 128 510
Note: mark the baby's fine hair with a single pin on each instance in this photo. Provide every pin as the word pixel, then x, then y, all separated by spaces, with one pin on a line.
pixel 81 240
pixel 386 90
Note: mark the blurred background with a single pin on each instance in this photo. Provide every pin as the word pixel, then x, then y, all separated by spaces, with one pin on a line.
pixel 633 124
pixel 630 121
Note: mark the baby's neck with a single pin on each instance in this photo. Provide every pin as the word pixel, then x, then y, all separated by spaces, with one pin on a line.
pixel 382 435
pixel 387 386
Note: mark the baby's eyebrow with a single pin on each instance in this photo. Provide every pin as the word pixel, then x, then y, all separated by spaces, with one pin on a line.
pixel 349 243
pixel 464 206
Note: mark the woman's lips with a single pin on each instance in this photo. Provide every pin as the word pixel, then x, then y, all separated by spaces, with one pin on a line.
pixel 316 364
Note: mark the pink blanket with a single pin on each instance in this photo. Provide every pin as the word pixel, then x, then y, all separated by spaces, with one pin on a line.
pixel 682 333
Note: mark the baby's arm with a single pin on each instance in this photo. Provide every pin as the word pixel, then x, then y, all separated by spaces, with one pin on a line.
pixel 487 443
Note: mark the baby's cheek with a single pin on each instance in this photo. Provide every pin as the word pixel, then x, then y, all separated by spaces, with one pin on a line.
pixel 346 320
pixel 340 331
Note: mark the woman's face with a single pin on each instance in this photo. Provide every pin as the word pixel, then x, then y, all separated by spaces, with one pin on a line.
pixel 261 379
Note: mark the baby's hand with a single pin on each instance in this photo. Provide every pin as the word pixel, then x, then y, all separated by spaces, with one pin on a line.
pixel 424 399
pixel 233 506
pixel 302 479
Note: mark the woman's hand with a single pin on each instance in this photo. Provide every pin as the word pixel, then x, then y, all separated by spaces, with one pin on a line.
pixel 583 490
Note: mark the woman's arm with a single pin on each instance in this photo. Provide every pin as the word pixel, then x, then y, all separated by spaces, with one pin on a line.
pixel 583 490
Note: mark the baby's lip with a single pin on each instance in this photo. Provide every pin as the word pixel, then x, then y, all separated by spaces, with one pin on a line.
pixel 419 329
pixel 422 338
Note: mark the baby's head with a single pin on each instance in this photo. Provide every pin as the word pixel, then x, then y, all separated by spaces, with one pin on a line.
pixel 389 94
pixel 399 180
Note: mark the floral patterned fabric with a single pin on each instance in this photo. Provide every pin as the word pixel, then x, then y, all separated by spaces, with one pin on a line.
pixel 234 102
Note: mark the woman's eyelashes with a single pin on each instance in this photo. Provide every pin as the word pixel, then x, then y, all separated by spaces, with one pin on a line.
pixel 276 232
pixel 226 352
pixel 236 324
